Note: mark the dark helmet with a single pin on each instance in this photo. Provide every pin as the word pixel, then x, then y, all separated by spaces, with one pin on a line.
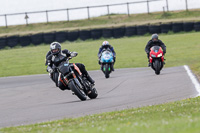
pixel 55 48
pixel 154 37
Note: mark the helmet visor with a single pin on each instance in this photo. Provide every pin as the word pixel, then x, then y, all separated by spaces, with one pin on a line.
pixel 55 50
pixel 106 46
pixel 155 39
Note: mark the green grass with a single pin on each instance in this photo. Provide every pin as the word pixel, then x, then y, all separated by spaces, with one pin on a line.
pixel 104 21
pixel 182 48
pixel 176 117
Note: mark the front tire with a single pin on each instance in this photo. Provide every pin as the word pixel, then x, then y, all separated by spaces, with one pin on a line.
pixel 157 67
pixel 78 92
pixel 107 71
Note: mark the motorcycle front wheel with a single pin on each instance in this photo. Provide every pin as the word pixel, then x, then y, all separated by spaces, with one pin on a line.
pixel 157 67
pixel 107 67
pixel 78 91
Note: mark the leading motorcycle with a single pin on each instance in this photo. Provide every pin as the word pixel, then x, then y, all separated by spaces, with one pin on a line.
pixel 156 59
pixel 71 78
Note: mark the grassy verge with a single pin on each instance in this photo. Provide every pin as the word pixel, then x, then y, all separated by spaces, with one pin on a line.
pixel 103 21
pixel 177 117
pixel 182 48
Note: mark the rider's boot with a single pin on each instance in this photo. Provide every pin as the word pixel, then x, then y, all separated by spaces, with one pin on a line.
pixel 90 79
pixel 112 67
pixel 149 63
pixel 51 76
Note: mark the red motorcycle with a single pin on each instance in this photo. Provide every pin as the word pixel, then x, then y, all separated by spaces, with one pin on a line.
pixel 156 59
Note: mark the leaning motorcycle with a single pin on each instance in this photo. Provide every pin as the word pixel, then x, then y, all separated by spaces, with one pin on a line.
pixel 156 59
pixel 72 79
pixel 106 62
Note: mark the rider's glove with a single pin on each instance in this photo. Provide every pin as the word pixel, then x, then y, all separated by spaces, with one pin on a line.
pixel 74 54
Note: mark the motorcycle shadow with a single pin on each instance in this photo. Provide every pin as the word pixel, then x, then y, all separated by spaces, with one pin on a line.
pixel 77 101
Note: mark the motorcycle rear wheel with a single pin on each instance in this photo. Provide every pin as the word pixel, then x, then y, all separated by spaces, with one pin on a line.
pixel 93 93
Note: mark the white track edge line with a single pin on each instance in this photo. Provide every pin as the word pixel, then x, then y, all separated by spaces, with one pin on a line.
pixel 193 79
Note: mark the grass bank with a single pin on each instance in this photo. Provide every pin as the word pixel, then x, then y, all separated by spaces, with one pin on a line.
pixel 177 117
pixel 104 21
pixel 182 48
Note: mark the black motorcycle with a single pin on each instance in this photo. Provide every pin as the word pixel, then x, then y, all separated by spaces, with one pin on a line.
pixel 71 78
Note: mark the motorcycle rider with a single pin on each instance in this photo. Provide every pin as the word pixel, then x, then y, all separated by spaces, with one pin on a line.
pixel 154 42
pixel 55 51
pixel 106 46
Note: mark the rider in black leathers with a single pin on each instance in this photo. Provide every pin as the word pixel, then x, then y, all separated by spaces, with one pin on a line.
pixel 55 51
pixel 154 42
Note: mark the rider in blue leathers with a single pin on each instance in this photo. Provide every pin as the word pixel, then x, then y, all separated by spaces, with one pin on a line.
pixel 106 46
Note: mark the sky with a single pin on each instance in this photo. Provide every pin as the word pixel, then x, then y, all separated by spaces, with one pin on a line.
pixel 22 6
pixel 15 6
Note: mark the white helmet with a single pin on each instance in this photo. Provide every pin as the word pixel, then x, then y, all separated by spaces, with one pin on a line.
pixel 105 43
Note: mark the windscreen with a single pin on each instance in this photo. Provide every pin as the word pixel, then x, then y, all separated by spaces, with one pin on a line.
pixel 155 48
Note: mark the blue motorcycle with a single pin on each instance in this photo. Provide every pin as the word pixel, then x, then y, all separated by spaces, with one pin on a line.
pixel 106 62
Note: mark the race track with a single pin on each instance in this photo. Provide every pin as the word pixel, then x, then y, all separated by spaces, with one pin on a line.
pixel 32 99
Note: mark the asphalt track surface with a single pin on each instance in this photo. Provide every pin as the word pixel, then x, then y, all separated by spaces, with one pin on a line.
pixel 32 99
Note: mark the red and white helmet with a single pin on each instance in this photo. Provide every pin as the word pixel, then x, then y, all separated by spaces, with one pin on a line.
pixel 105 43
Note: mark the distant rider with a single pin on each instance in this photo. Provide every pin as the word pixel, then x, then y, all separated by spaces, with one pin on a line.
pixel 154 42
pixel 106 46
pixel 55 51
